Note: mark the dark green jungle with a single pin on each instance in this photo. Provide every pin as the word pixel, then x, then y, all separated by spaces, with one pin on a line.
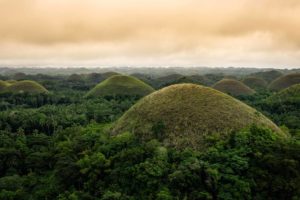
pixel 57 142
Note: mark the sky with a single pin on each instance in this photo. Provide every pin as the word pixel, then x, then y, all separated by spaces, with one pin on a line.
pixel 212 33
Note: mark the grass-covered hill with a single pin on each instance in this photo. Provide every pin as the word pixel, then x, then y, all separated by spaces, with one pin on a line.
pixel 268 76
pixel 167 80
pixel 183 115
pixel 291 93
pixel 91 77
pixel 284 107
pixel 98 77
pixel 255 82
pixel 75 77
pixel 11 81
pixel 27 87
pixel 120 85
pixel 195 79
pixel 285 82
pixel 149 79
pixel 233 87
pixel 3 85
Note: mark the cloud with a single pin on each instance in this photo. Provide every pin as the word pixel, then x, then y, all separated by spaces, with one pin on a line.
pixel 158 31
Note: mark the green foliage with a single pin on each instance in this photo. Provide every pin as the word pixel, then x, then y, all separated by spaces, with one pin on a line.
pixel 3 86
pixel 87 163
pixel 61 145
pixel 282 107
pixel 49 118
pixel 158 130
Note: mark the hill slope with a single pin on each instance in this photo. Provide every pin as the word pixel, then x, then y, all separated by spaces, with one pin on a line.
pixel 285 81
pixel 268 76
pixel 120 85
pixel 11 81
pixel 3 86
pixel 26 86
pixel 182 115
pixel 285 107
pixel 290 94
pixel 255 82
pixel 233 87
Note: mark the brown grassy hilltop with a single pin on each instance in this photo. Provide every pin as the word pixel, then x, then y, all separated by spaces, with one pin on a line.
pixel 285 82
pixel 120 85
pixel 233 87
pixel 27 87
pixel 255 82
pixel 183 115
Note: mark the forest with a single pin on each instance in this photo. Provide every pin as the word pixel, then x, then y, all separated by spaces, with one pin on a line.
pixel 61 143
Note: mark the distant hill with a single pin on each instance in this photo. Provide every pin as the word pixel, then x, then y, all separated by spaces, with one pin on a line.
pixel 285 107
pixel 145 77
pixel 206 80
pixel 11 81
pixel 75 78
pixel 98 77
pixel 233 87
pixel 290 94
pixel 183 115
pixel 120 85
pixel 285 82
pixel 27 87
pixel 196 79
pixel 268 76
pixel 255 82
pixel 107 75
pixel 167 80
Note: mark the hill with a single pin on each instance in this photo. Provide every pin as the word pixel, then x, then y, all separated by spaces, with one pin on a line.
pixel 195 79
pixel 290 94
pixel 3 85
pixel 75 78
pixel 145 78
pixel 97 77
pixel 11 81
pixel 167 80
pixel 268 76
pixel 183 115
pixel 255 82
pixel 285 82
pixel 284 107
pixel 120 85
pixel 27 87
pixel 233 87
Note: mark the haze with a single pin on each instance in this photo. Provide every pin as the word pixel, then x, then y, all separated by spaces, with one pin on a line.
pixel 241 33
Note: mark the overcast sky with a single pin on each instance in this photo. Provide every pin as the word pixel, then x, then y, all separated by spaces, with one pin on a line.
pixel 241 33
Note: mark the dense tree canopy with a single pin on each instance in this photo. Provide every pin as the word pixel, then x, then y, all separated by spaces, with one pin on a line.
pixel 59 145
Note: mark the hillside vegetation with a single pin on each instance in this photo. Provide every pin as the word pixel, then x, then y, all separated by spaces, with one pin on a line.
pixel 291 93
pixel 3 85
pixel 11 81
pixel 26 86
pixel 285 107
pixel 120 85
pixel 285 81
pixel 63 146
pixel 183 115
pixel 233 87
